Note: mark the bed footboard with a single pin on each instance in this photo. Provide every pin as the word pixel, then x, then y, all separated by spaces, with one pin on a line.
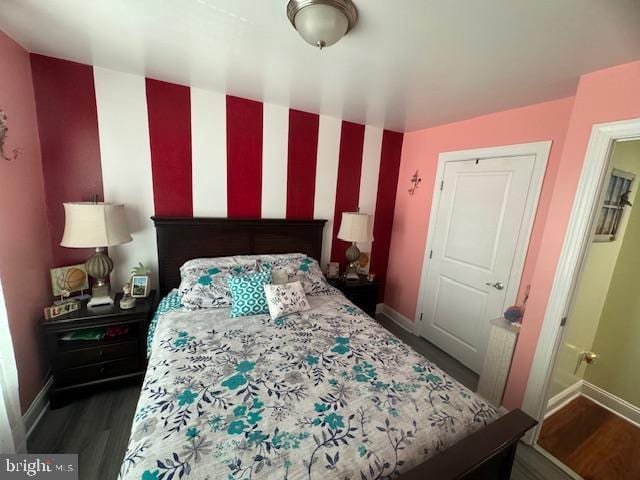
pixel 485 454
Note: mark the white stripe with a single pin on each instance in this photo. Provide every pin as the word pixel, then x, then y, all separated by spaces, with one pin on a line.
pixel 326 179
pixel 126 165
pixel 369 176
pixel 209 153
pixel 275 142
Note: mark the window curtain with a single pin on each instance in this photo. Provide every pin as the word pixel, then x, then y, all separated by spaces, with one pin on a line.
pixel 12 434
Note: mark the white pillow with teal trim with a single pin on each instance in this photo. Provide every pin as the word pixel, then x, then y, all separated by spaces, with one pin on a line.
pixel 247 294
pixel 286 299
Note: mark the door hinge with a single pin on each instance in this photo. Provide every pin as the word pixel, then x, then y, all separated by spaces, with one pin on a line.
pixel 421 316
pixel 441 185
pixel 563 322
pixel 430 253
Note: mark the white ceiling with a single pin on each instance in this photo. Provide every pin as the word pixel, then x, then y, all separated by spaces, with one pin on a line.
pixel 408 64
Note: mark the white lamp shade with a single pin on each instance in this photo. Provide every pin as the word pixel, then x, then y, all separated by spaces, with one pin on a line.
pixel 90 225
pixel 320 24
pixel 355 227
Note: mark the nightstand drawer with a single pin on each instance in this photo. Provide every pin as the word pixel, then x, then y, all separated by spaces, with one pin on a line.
pixel 95 354
pixel 97 371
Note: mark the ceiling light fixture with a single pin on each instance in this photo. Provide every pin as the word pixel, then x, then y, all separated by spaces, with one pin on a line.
pixel 322 23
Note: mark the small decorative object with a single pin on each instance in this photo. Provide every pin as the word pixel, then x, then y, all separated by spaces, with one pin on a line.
pixel 62 309
pixel 139 286
pixel 66 280
pixel 96 225
pixel 415 181
pixel 4 134
pixel 354 227
pixel 141 270
pixel 333 270
pixel 371 277
pixel 363 263
pixel 514 314
pixel 127 301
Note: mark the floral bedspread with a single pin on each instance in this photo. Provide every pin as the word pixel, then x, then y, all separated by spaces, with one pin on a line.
pixel 323 394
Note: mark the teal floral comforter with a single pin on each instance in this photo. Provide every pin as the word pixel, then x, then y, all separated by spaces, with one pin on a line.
pixel 323 394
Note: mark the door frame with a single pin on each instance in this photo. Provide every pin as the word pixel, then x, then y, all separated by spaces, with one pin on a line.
pixel 576 241
pixel 541 152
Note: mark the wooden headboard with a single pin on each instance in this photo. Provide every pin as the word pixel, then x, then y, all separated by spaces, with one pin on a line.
pixel 181 239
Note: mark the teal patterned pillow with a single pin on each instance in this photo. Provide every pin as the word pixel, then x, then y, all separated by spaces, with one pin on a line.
pixel 247 294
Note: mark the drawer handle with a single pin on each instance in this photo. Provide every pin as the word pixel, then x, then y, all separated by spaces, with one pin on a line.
pixel 101 369
pixel 100 353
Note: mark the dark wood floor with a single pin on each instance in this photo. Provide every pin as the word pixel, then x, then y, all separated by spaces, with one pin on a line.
pixel 592 441
pixel 98 427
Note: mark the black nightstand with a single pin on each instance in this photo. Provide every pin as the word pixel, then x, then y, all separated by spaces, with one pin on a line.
pixel 361 292
pixel 80 365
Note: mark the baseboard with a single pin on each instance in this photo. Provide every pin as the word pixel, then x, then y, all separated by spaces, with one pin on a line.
pixel 398 318
pixel 38 407
pixel 612 403
pixel 563 398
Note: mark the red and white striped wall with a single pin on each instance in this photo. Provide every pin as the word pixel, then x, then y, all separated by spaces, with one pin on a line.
pixel 167 149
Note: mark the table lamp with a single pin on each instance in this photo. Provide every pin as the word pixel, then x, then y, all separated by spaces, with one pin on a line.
pixel 96 225
pixel 354 227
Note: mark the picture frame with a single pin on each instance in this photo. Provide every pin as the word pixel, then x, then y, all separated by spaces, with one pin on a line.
pixel 139 286
pixel 71 278
pixel 333 270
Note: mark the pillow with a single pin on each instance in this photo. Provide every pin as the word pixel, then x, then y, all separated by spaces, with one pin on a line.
pixel 247 293
pixel 204 280
pixel 297 267
pixel 285 299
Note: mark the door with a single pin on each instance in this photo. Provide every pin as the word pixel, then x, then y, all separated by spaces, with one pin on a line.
pixel 477 227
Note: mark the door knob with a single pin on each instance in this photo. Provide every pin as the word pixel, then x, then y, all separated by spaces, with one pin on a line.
pixel 497 285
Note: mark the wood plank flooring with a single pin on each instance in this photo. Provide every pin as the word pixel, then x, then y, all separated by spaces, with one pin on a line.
pixel 98 427
pixel 592 441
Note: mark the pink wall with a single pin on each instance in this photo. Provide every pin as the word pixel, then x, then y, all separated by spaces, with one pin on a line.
pixel 603 96
pixel 544 121
pixel 25 253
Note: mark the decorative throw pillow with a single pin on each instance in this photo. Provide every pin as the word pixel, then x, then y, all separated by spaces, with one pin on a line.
pixel 247 293
pixel 204 280
pixel 285 299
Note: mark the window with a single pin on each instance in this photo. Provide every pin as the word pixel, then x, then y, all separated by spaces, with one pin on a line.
pixel 616 198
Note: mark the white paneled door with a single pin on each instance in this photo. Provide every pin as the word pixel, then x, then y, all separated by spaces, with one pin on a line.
pixel 483 205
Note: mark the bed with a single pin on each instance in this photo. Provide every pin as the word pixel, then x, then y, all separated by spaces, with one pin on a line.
pixel 327 393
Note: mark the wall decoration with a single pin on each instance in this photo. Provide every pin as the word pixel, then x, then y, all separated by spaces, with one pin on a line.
pixel 613 205
pixel 4 134
pixel 415 181
pixel 363 263
pixel 66 280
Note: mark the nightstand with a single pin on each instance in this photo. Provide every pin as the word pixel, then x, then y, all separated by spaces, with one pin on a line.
pixel 81 365
pixel 361 292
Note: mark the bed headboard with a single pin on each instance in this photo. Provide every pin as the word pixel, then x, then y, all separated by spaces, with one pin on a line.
pixel 183 238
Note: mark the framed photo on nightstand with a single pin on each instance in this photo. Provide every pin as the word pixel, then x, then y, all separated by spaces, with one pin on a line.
pixel 139 286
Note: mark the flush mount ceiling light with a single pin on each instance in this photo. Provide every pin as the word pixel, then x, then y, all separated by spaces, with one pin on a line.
pixel 322 23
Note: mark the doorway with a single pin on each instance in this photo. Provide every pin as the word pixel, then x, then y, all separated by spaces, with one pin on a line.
pixel 479 229
pixel 592 419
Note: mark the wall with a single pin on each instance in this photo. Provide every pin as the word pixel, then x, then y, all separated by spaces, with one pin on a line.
pixel 169 149
pixel 604 96
pixel 594 284
pixel 25 253
pixel 618 336
pixel 544 121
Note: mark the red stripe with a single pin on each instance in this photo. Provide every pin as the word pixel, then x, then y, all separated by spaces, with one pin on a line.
pixel 68 128
pixel 390 155
pixel 169 107
pixel 301 164
pixel 244 158
pixel 348 184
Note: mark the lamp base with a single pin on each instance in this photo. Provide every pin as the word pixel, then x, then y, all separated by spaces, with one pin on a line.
pixel 352 254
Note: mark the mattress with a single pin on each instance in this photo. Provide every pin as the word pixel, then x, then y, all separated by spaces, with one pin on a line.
pixel 327 393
